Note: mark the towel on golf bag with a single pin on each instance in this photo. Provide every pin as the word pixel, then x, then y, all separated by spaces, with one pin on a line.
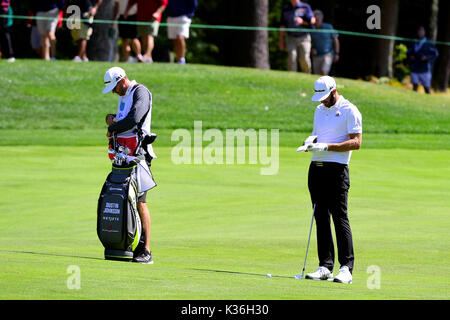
pixel 144 177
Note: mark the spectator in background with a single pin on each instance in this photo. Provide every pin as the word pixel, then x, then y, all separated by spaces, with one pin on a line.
pixel 421 55
pixel 5 37
pixel 325 46
pixel 148 11
pixel 297 15
pixel 35 37
pixel 47 12
pixel 128 32
pixel 83 34
pixel 179 17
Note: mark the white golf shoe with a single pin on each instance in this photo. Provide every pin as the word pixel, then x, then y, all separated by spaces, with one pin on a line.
pixel 344 275
pixel 322 273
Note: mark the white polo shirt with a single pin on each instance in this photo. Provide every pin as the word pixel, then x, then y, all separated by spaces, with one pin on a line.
pixel 333 125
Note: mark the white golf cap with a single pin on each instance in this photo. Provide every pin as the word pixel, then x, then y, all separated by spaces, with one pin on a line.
pixel 112 77
pixel 323 87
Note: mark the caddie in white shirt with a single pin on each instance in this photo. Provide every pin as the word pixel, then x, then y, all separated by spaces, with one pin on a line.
pixel 338 127
pixel 131 123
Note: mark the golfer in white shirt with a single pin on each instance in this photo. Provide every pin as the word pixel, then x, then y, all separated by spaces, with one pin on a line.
pixel 338 127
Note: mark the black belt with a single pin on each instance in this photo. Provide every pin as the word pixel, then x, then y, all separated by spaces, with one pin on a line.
pixel 327 164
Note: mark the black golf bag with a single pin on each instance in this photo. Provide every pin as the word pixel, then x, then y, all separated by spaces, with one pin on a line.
pixel 118 222
pixel 119 225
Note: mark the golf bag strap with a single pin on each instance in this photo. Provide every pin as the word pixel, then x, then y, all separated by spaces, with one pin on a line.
pixel 141 139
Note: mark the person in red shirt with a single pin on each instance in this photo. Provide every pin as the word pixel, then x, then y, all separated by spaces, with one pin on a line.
pixel 148 11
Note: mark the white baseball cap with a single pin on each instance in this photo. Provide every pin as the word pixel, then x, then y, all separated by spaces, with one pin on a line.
pixel 112 77
pixel 323 87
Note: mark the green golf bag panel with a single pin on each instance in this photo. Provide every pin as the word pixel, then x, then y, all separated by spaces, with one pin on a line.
pixel 118 222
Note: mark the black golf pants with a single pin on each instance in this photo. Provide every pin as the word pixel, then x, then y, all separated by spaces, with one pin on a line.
pixel 5 39
pixel 328 184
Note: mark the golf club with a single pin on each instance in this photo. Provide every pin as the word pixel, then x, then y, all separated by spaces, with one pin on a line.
pixel 307 247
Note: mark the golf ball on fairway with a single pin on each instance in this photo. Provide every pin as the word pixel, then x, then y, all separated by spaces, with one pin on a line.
pixel 268 275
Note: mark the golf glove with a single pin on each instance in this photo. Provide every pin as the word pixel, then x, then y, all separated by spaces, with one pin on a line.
pixel 317 147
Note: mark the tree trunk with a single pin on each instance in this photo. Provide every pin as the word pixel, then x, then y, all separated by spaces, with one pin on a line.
pixel 243 47
pixel 441 75
pixel 103 43
pixel 434 19
pixel 259 45
pixel 385 47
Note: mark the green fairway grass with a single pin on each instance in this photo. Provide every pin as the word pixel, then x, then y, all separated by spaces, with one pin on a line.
pixel 217 230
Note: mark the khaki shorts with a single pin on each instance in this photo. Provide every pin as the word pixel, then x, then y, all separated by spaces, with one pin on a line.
pixel 178 26
pixel 84 32
pixel 50 22
pixel 299 50
pixel 322 64
pixel 151 28
pixel 142 197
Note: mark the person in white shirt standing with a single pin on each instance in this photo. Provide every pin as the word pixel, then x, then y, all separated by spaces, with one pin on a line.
pixel 338 127
pixel 134 114
pixel 179 17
